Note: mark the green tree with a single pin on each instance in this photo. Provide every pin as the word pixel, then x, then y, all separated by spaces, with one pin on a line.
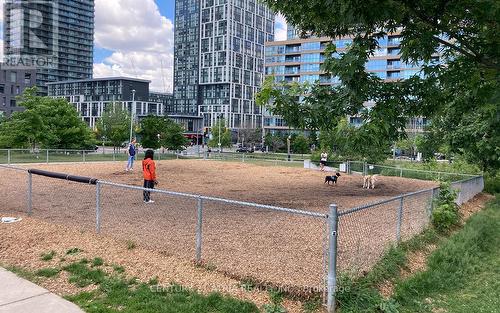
pixel 274 142
pixel 461 98
pixel 225 135
pixel 173 137
pixel 347 142
pixel 46 123
pixel 299 144
pixel 156 131
pixel 313 139
pixel 114 125
pixel 250 137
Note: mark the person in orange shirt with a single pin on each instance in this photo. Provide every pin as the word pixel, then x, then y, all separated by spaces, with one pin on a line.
pixel 149 171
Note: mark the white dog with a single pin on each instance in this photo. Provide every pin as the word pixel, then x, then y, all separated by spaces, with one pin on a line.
pixel 369 181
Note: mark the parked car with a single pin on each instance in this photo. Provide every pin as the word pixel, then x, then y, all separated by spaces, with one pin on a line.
pixel 245 150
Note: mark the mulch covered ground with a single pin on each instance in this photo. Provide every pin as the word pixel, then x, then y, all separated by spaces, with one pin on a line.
pixel 238 241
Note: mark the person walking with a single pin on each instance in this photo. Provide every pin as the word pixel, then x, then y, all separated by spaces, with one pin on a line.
pixel 322 162
pixel 131 151
pixel 149 172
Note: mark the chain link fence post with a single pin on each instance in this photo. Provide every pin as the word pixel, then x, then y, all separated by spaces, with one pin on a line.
pixel 30 197
pixel 47 157
pixel 400 220
pixel 333 222
pixel 98 207
pixel 8 156
pixel 431 207
pixel 199 230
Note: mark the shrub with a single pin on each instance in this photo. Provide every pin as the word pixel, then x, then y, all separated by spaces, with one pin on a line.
pixel 492 183
pixel 446 213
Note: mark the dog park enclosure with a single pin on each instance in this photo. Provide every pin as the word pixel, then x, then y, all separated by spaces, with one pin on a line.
pixel 266 245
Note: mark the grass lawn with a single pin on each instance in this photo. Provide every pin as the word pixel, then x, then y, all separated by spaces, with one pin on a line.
pixel 463 274
pixel 115 292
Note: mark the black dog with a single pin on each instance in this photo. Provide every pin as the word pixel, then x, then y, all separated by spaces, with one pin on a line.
pixel 332 178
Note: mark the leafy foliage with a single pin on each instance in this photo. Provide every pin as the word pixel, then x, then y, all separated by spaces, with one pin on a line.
pixel 275 142
pixel 461 98
pixel 299 144
pixel 224 134
pixel 156 131
pixel 250 137
pixel 45 122
pixel 346 141
pixel 446 214
pixel 114 125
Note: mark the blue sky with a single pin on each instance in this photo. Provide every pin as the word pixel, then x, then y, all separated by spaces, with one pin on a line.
pixel 166 8
pixel 135 38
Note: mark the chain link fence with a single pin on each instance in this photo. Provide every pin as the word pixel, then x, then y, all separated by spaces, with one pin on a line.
pixel 364 168
pixel 27 156
pixel 297 250
pixel 366 232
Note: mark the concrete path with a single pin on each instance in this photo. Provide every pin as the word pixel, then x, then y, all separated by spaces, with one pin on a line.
pixel 19 295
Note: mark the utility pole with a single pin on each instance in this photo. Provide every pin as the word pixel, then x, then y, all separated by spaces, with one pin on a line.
pixel 132 111
pixel 219 122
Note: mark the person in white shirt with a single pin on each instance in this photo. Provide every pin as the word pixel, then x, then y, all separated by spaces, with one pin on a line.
pixel 322 162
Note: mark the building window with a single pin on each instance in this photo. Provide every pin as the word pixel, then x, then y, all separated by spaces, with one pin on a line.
pixel 13 77
pixel 27 79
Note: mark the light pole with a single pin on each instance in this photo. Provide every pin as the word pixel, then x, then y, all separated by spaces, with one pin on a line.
pixel 218 120
pixel 132 109
pixel 263 139
pixel 288 146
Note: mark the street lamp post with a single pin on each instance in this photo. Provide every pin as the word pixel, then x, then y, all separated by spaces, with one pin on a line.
pixel 288 145
pixel 132 111
pixel 263 139
pixel 218 119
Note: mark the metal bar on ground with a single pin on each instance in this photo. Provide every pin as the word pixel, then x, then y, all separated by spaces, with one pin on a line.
pixel 333 221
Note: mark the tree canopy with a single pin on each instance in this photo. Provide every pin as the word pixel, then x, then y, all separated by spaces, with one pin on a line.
pixel 459 93
pixel 224 134
pixel 114 125
pixel 45 123
pixel 157 131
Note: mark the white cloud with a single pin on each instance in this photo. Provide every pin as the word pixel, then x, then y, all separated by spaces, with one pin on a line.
pixel 140 38
pixel 280 28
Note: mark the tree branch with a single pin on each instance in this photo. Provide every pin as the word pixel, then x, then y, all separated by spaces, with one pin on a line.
pixel 455 47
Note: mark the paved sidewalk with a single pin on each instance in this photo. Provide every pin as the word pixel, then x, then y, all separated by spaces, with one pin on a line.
pixel 19 295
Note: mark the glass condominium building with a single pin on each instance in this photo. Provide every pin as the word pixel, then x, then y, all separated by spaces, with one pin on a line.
pixel 299 60
pixel 219 59
pixel 56 37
